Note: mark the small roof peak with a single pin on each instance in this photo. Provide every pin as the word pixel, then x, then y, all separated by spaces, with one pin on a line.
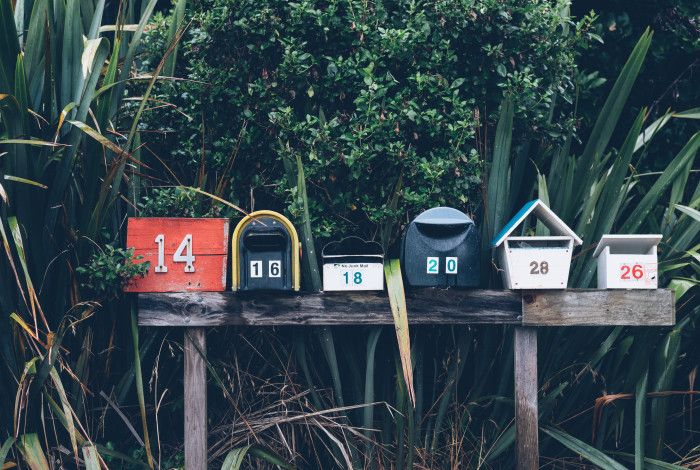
pixel 544 214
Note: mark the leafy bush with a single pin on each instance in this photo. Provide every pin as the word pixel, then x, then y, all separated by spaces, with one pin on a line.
pixel 394 99
pixel 176 202
pixel 110 270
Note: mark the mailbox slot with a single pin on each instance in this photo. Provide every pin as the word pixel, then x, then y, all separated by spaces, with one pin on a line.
pixel 441 249
pixel 265 241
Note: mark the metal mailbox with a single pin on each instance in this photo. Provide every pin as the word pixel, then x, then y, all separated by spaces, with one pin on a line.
pixel 627 261
pixel 185 255
pixel 266 252
pixel 441 249
pixel 353 264
pixel 535 262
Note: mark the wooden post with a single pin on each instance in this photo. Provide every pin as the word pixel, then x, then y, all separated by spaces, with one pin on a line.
pixel 195 344
pixel 526 413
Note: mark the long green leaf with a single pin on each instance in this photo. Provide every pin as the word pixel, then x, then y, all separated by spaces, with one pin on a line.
pixel 30 448
pixel 90 457
pixel 586 451
pixel 640 409
pixel 234 459
pixel 609 115
pixel 7 445
pixel 397 300
pixel 644 207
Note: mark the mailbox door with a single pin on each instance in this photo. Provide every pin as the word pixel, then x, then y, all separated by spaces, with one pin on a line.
pixel 264 248
pixel 353 273
pixel 629 271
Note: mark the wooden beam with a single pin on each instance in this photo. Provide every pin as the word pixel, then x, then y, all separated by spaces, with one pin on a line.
pixel 196 452
pixel 526 410
pixel 599 308
pixel 425 306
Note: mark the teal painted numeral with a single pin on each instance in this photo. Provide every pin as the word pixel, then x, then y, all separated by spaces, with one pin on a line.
pixel 357 279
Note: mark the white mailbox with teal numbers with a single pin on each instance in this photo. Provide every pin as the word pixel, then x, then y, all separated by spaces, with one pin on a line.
pixel 535 262
pixel 353 264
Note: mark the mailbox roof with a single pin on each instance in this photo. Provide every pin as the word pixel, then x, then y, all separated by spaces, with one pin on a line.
pixel 544 214
pixel 627 243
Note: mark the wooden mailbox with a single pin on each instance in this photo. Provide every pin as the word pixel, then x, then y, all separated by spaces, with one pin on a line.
pixel 535 262
pixel 266 253
pixel 627 261
pixel 353 264
pixel 185 254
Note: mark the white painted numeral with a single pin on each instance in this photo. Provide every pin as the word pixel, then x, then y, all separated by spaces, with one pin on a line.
pixel 188 258
pixel 161 267
pixel 256 268
pixel 275 268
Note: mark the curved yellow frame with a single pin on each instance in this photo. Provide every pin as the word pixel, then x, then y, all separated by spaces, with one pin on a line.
pixel 296 267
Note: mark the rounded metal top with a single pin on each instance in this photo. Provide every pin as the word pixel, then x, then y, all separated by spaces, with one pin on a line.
pixel 443 216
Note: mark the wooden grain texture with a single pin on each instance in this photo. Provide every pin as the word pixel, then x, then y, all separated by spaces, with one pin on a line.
pixel 599 307
pixel 425 306
pixel 195 382
pixel 526 411
pixel 209 247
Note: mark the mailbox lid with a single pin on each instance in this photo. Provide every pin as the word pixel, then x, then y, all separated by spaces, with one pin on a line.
pixel 209 248
pixel 634 244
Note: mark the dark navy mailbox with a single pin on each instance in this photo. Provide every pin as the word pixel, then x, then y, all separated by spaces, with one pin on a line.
pixel 265 249
pixel 441 249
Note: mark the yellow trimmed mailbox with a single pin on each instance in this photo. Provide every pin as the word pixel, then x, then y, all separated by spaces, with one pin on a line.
pixel 266 253
pixel 627 261
pixel 535 262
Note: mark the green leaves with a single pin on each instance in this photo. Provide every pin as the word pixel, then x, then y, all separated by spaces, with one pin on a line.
pixel 30 448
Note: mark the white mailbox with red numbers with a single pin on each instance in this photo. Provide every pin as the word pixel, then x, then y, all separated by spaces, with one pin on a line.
pixel 628 262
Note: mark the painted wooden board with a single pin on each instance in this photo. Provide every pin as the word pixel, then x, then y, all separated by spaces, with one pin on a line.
pixel 193 253
pixel 584 307
pixel 425 307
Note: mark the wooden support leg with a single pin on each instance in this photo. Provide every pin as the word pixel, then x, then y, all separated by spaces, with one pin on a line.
pixel 526 427
pixel 195 345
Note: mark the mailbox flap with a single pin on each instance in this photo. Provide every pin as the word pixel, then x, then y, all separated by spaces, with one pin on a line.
pixel 353 248
pixel 265 240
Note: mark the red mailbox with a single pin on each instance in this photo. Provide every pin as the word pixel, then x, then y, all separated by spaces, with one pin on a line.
pixel 185 254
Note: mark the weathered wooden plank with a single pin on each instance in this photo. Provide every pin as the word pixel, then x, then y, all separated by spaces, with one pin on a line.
pixel 195 381
pixel 426 306
pixel 526 411
pixel 599 307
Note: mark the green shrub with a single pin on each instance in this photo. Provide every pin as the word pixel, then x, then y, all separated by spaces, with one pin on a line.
pixel 110 270
pixel 391 98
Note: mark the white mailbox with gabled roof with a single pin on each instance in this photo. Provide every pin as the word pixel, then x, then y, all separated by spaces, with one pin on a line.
pixel 627 261
pixel 536 262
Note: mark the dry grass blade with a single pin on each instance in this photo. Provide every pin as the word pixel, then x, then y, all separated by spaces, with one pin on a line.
pixel 397 299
